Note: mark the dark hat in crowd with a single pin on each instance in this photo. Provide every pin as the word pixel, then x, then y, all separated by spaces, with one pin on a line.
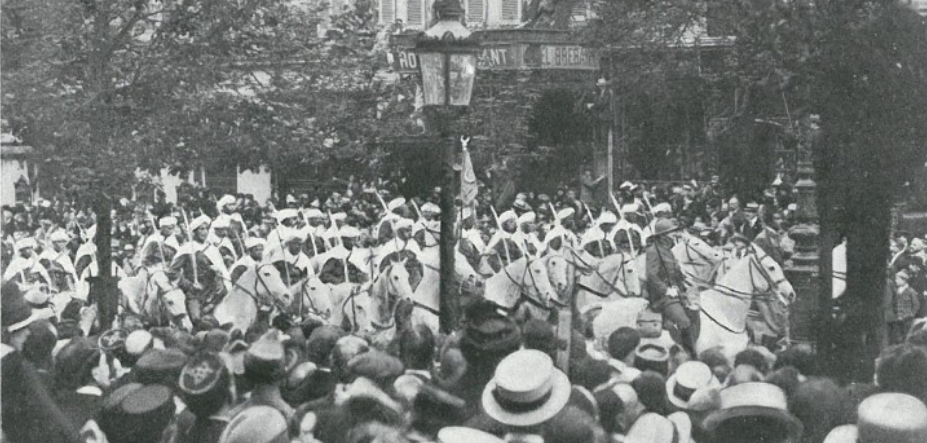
pixel 820 404
pixel 434 408
pixel 321 342
pixel 265 360
pixel 571 425
pixel 651 390
pixel 753 411
pixel 652 357
pixel 753 357
pixel 256 424
pixel 201 374
pixel 112 340
pixel 75 361
pixel 379 367
pixel 903 368
pixel 452 369
pixel 15 312
pixel 160 366
pixel 488 331
pixel 137 413
pixel 539 334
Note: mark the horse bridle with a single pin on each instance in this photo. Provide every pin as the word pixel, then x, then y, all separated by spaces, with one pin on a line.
pixel 523 295
pixel 611 284
pixel 693 262
pixel 389 288
pixel 755 262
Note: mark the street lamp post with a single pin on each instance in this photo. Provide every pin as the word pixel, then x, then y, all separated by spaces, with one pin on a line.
pixel 447 58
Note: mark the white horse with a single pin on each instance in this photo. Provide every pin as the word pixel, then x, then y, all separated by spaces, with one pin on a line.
pixel 371 310
pixel 258 285
pixel 426 296
pixel 523 288
pixel 151 296
pixel 698 261
pixel 314 298
pixel 725 307
pixel 615 277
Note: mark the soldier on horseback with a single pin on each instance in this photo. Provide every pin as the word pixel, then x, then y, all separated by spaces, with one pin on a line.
pixel 666 282
pixel 201 270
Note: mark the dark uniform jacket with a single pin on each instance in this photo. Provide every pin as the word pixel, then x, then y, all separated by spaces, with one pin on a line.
pixel 662 274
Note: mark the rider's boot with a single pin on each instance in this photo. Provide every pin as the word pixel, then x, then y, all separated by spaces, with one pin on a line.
pixel 688 339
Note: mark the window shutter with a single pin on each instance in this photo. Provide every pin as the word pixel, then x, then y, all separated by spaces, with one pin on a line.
pixel 511 11
pixel 579 11
pixel 387 12
pixel 476 11
pixel 415 13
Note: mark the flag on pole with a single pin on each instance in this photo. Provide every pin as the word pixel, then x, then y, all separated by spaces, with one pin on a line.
pixel 468 186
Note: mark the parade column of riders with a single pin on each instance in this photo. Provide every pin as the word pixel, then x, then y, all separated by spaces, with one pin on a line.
pixel 311 242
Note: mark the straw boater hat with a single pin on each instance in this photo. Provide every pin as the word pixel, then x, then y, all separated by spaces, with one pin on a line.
pixel 754 399
pixel 889 417
pixel 689 378
pixel 526 389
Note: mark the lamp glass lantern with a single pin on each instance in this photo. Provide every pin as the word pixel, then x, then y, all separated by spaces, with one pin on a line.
pixel 447 57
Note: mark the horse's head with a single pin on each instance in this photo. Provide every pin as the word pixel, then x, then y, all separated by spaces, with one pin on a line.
pixel 175 303
pixel 620 273
pixel 773 276
pixel 398 280
pixel 269 284
pixel 698 251
pixel 559 272
pixel 538 280
pixel 318 297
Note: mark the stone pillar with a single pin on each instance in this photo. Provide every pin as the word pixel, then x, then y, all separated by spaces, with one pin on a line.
pixel 803 269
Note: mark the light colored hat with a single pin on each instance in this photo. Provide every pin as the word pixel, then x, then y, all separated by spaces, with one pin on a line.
pixel 754 399
pixel 431 208
pixel 654 428
pixel 139 341
pixel 662 207
pixel 508 215
pixel 339 216
pixel 689 377
pixel 59 235
pixel 395 203
pixel 626 185
pixel 256 424
pixel 225 201
pixel 607 217
pixel 284 214
pixel 313 213
pixel 457 434
pixel 528 217
pixel 526 389
pixel 563 214
pixel 402 223
pixel 167 221
pixel 290 198
pixel 253 242
pixel 199 222
pixel 843 434
pixel 24 243
pixel 349 231
pixel 891 417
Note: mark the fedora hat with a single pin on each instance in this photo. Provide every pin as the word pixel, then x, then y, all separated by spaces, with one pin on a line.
pixel 664 226
pixel 526 389
pixel 754 399
pixel 891 417
pixel 689 377
pixel 652 356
